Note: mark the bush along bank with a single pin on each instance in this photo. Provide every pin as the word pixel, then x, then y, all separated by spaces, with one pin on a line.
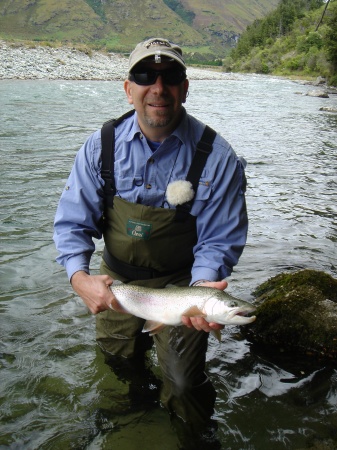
pixel 296 39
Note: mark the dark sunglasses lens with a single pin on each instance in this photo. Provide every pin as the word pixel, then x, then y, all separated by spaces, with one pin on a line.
pixel 144 78
pixel 148 77
pixel 174 77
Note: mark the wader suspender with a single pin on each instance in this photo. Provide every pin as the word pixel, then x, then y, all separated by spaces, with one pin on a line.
pixel 204 148
pixel 108 157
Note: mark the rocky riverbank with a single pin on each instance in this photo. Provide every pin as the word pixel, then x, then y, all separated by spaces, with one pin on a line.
pixel 19 61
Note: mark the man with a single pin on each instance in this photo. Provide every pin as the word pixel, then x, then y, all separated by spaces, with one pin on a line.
pixel 149 240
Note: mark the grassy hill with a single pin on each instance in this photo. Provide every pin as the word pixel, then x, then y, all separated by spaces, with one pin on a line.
pixel 210 28
pixel 307 46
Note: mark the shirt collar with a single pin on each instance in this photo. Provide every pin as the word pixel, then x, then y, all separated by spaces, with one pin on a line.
pixel 134 128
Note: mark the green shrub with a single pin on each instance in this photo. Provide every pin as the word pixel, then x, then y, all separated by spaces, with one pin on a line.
pixel 332 80
pixel 295 63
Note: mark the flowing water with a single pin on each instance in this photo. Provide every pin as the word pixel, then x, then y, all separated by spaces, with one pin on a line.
pixel 56 392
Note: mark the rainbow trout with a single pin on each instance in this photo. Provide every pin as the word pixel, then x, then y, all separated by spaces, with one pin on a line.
pixel 160 307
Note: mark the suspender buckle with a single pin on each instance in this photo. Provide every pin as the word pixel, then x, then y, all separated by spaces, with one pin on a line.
pixel 205 147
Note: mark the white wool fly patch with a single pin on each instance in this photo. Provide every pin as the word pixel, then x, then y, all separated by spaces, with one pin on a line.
pixel 179 192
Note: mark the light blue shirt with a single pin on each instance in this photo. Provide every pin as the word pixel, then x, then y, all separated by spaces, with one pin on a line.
pixel 142 176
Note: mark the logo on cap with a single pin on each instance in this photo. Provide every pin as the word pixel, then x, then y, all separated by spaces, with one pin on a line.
pixel 158 42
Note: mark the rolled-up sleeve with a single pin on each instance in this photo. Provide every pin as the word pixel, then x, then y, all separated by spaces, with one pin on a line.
pixel 222 221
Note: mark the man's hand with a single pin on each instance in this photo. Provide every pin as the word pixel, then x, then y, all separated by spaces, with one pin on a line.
pixel 199 323
pixel 94 290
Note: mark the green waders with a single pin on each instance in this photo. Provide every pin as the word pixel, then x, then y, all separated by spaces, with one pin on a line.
pixel 149 238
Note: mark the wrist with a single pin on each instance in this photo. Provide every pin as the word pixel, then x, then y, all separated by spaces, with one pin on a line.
pixel 79 275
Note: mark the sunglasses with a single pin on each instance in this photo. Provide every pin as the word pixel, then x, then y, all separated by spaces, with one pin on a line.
pixel 146 77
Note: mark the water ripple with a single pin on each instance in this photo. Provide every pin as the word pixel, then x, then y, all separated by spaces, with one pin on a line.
pixel 56 390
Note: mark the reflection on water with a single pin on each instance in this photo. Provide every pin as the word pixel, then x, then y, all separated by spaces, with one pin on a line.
pixel 56 390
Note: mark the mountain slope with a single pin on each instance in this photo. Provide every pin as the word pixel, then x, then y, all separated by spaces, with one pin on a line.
pixel 119 24
pixel 307 45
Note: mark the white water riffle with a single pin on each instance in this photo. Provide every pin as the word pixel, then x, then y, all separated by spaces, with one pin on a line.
pixel 56 391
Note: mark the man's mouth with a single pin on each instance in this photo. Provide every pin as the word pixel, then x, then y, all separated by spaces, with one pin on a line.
pixel 158 105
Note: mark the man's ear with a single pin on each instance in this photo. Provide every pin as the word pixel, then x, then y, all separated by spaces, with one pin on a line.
pixel 128 91
pixel 186 84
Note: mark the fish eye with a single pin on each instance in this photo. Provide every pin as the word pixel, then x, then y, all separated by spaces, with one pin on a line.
pixel 233 304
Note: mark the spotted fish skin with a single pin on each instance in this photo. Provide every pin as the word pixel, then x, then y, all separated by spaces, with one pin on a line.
pixel 160 307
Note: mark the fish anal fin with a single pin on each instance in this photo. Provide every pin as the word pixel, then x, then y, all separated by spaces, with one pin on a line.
pixel 193 311
pixel 217 334
pixel 152 327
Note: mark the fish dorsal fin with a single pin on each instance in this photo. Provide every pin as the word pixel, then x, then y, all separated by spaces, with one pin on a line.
pixel 171 286
pixel 193 311
pixel 152 327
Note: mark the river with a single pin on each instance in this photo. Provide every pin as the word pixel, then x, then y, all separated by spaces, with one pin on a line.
pixel 56 392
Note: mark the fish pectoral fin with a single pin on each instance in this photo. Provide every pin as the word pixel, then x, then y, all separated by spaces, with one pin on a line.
pixel 152 327
pixel 193 311
pixel 116 306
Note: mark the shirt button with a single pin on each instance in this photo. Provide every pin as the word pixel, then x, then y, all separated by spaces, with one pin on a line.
pixel 148 186
pixel 151 160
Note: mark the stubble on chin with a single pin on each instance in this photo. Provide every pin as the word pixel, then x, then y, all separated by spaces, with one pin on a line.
pixel 158 120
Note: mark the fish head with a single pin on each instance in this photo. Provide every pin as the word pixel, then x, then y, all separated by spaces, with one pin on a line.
pixel 240 315
pixel 228 310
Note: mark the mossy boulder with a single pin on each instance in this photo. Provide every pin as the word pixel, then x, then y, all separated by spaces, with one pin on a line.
pixel 297 311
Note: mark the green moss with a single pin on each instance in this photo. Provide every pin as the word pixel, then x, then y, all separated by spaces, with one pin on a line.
pixel 287 281
pixel 298 311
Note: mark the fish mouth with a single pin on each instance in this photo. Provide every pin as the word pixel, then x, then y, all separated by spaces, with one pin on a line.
pixel 239 319
pixel 247 319
pixel 241 316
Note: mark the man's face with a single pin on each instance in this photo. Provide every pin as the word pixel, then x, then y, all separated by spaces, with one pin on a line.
pixel 159 105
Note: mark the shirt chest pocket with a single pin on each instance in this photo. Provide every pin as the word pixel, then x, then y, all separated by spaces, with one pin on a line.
pixel 127 184
pixel 204 191
pixel 204 187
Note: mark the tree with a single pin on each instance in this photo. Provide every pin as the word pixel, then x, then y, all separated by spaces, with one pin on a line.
pixel 326 5
pixel 331 37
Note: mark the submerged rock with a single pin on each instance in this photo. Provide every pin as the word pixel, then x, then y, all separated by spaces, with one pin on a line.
pixel 328 109
pixel 298 311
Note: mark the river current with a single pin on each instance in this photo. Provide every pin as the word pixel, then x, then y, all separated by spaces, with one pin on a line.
pixel 56 392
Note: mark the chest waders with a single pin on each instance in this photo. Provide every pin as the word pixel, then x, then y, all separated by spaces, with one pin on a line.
pixel 152 246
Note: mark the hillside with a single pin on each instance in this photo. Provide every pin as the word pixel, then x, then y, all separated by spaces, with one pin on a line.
pixel 117 25
pixel 305 46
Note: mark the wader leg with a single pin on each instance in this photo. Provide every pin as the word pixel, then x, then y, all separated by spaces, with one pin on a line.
pixel 186 391
pixel 124 346
pixel 121 334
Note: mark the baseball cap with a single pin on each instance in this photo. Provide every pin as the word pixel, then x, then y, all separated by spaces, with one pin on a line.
pixel 153 50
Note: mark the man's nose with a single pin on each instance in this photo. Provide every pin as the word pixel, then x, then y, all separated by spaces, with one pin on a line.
pixel 159 84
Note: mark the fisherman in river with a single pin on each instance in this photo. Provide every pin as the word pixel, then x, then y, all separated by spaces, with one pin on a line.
pixel 167 194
